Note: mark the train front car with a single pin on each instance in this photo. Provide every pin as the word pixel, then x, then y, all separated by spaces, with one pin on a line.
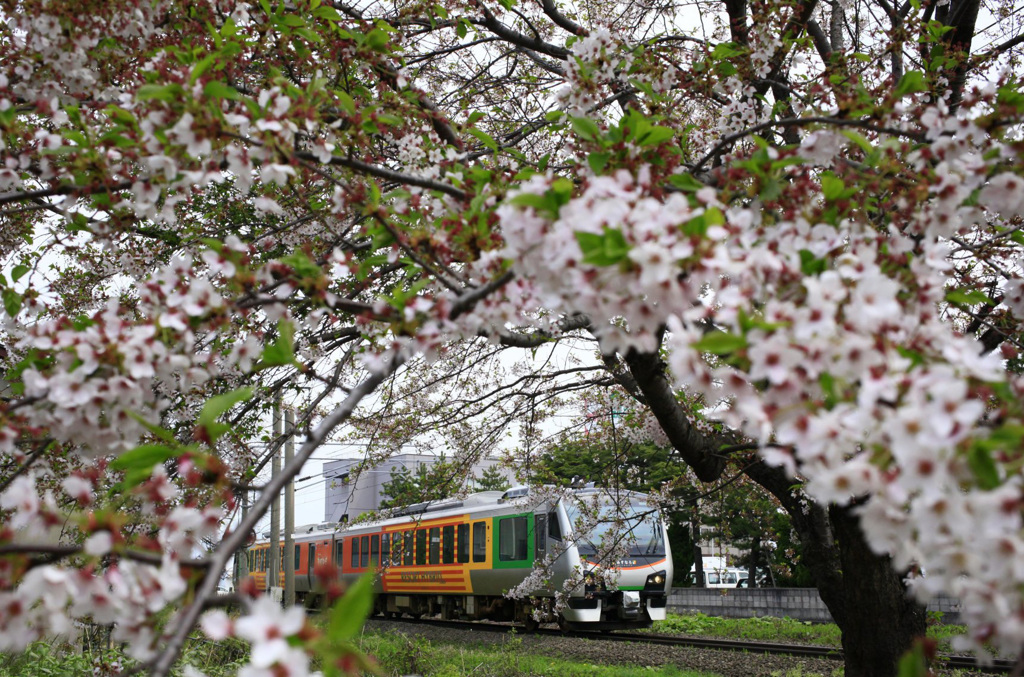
pixel 619 543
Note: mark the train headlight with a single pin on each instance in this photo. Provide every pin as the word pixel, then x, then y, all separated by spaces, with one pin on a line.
pixel 656 580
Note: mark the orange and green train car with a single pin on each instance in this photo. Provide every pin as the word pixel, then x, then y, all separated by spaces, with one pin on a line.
pixel 602 560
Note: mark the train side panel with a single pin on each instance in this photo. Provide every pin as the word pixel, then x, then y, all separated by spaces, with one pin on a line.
pixel 462 563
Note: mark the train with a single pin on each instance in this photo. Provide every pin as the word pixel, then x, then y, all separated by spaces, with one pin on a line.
pixel 460 558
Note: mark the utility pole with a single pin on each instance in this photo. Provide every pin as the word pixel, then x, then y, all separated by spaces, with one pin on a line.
pixel 274 570
pixel 289 512
pixel 242 556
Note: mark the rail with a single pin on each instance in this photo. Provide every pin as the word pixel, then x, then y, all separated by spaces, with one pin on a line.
pixel 944 661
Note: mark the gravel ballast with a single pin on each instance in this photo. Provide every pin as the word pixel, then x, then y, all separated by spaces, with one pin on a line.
pixel 597 651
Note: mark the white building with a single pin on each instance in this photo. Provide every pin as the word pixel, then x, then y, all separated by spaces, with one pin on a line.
pixel 349 495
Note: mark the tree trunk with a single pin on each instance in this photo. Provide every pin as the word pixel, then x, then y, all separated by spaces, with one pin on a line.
pixel 877 617
pixel 866 597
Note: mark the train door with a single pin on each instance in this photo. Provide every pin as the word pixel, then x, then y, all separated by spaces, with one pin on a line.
pixel 540 536
pixel 310 566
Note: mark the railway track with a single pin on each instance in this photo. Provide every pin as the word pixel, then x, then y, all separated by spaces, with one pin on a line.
pixel 951 662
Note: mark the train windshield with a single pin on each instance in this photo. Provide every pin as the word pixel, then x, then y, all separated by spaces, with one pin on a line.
pixel 631 528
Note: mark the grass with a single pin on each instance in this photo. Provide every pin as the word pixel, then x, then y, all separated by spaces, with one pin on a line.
pixel 58 658
pixel 786 630
pixel 753 629
pixel 398 654
pixel 395 653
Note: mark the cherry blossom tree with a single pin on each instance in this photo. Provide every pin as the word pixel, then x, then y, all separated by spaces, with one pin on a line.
pixel 789 230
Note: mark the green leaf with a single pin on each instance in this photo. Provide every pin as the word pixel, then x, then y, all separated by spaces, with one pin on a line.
pixel 831 186
pixel 771 189
pixel 308 35
pixel 598 161
pixel 860 140
pixel 12 301
pixel 219 90
pixel 697 226
pixel 474 117
pixel 282 351
pixel 585 128
pixel 302 264
pixel 346 101
pixel 327 12
pixel 967 297
pixel 606 249
pixel 144 457
pixel 979 459
pixel 377 39
pixel 170 92
pixel 220 404
pixel 915 357
pixel 350 612
pixel 120 116
pixel 461 29
pixel 657 135
pixel 828 388
pixel 720 343
pixel 158 432
pixel 18 272
pixel 726 50
pixel 562 188
pixel 202 67
pixel 913 663
pixel 685 182
pixel 810 265
pixel 541 203
pixel 910 83
pixel 484 138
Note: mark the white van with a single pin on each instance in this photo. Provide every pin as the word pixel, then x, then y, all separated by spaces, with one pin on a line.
pixel 722 578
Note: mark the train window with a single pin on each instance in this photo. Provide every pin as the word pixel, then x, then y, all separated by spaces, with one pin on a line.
pixel 408 548
pixel 385 549
pixel 339 549
pixel 311 559
pixel 355 552
pixel 364 551
pixel 396 549
pixel 375 549
pixel 512 539
pixel 435 545
pixel 540 535
pixel 479 541
pixel 448 545
pixel 463 543
pixel 554 531
pixel 421 546
pixel 297 560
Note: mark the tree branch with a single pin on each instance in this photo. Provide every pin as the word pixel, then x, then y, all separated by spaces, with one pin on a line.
pixel 186 620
